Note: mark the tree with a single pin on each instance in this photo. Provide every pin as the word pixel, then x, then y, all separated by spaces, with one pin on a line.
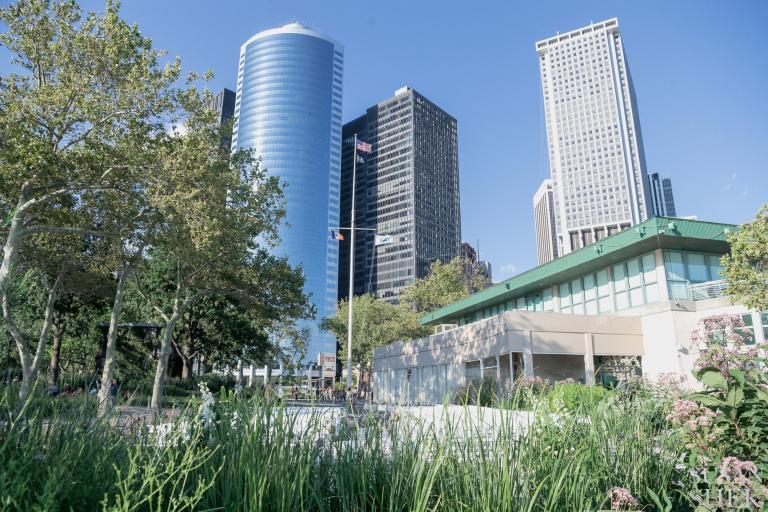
pixel 746 268
pixel 374 323
pixel 215 211
pixel 90 88
pixel 446 283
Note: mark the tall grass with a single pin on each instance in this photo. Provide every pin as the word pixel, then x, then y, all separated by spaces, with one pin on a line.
pixel 259 455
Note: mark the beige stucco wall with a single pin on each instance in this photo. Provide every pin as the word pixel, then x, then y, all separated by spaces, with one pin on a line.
pixel 667 335
pixel 557 345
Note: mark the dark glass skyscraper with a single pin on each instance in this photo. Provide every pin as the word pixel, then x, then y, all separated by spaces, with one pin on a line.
pixel 288 109
pixel 408 187
pixel 662 199
pixel 224 106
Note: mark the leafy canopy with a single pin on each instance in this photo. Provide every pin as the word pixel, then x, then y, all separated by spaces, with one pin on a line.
pixel 746 267
pixel 446 283
pixel 374 323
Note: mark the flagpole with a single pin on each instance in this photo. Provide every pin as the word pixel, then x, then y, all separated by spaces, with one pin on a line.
pixel 351 267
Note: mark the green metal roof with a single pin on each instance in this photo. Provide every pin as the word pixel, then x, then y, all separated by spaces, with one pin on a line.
pixel 656 232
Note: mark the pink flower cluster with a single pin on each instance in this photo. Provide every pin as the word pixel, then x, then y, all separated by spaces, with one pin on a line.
pixel 736 471
pixel 742 477
pixel 533 382
pixel 722 342
pixel 621 499
pixel 696 419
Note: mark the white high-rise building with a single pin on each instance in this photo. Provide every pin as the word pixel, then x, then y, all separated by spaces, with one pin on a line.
pixel 595 148
pixel 544 214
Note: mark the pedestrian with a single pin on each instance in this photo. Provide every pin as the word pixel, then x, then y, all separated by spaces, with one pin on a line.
pixel 113 387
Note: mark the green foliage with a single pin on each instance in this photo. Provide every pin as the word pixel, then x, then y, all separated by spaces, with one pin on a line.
pixel 576 397
pixel 482 393
pixel 740 400
pixel 370 462
pixel 746 267
pixel 445 284
pixel 374 323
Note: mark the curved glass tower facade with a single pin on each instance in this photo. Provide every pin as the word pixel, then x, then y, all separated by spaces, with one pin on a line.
pixel 288 109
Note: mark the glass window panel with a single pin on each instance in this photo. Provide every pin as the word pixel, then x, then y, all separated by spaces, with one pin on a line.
pixel 605 304
pixel 590 307
pixel 697 268
pixel 618 278
pixel 748 332
pixel 621 301
pixel 565 295
pixel 576 291
pixel 633 271
pixel 649 268
pixel 578 309
pixel 548 303
pixel 567 310
pixel 636 297
pixel 589 287
pixel 678 290
pixel 652 292
pixel 603 284
pixel 520 303
pixel 714 268
pixel 472 371
pixel 764 321
pixel 674 265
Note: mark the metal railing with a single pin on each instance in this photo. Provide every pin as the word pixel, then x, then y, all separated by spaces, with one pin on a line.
pixel 707 290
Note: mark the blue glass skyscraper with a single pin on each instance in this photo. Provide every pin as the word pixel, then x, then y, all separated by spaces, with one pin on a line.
pixel 288 109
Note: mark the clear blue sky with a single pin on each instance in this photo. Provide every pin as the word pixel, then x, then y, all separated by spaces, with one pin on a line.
pixel 700 70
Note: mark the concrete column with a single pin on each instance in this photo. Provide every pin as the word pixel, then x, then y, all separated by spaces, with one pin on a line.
pixel 589 359
pixel 661 275
pixel 556 298
pixel 498 369
pixel 528 355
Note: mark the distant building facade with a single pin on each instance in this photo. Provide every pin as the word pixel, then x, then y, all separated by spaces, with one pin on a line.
pixel 468 253
pixel 596 152
pixel 544 216
pixel 288 110
pixel 580 317
pixel 661 195
pixel 224 106
pixel 408 187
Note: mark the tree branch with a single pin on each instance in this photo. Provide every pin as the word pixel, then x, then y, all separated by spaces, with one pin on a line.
pixel 64 229
pixel 143 296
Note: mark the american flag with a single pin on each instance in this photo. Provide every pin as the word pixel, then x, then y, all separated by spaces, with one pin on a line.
pixel 363 147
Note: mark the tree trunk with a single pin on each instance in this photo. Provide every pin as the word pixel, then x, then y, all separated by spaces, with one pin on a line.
pixel 54 369
pixel 162 360
pixel 11 248
pixel 186 364
pixel 21 346
pixel 240 371
pixel 104 397
pixel 30 365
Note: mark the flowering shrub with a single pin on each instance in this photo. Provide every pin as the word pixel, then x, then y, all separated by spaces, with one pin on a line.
pixel 739 481
pixel 722 342
pixel 697 422
pixel 621 499
pixel 726 424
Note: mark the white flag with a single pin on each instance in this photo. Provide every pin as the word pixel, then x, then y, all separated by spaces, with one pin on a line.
pixel 383 240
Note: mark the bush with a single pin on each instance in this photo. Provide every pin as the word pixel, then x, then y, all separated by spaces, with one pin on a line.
pixel 576 397
pixel 483 394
